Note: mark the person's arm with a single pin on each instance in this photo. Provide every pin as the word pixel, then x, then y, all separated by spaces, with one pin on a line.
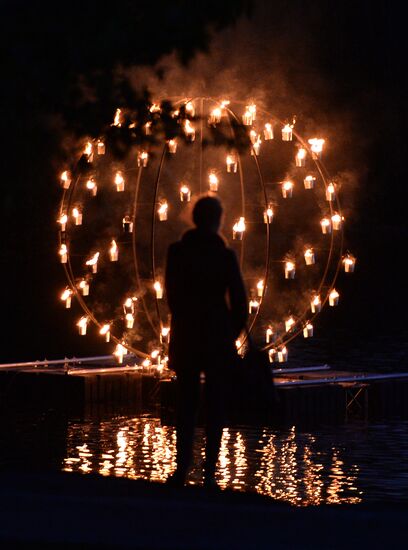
pixel 237 295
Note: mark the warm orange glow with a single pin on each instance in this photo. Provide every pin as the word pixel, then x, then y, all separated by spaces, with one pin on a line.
pixel 337 221
pixel 155 108
pixel 330 192
pixel 334 297
pixel 287 132
pixel 215 116
pixel 172 146
pixel 66 297
pixel 254 305
pixel 185 193
pixel 63 221
pixel 77 215
pixel 105 331
pixel 100 147
pixel 238 229
pixel 316 304
pixel 309 256
pixel 308 330
pixel 287 189
pixel 189 130
pixel 88 149
pixel 119 181
pixel 163 211
pixel 82 325
pixel 120 352
pixel 213 181
pixel 117 118
pixel 309 182
pixel 282 355
pixel 268 214
pixel 349 263
pixel 260 287
pixel 326 226
pixel 142 158
pixel 165 335
pixel 127 224
pixel 268 131
pixel 129 318
pixel 65 179
pixel 83 285
pixel 268 335
pixel 300 157
pixel 290 269
pixel 91 186
pixel 289 323
pixel 158 289
pixel 190 109
pixel 93 262
pixel 113 251
pixel 63 252
pixel 316 146
pixel 232 163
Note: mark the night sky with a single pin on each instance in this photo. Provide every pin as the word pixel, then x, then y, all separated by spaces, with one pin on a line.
pixel 63 66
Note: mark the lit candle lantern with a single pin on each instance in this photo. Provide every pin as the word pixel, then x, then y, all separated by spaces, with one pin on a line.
pixel 142 158
pixel 185 193
pixel 252 109
pixel 215 116
pixel 272 354
pixel 309 256
pixel 268 214
pixel 146 363
pixel 83 286
pixel 158 289
pixel 238 229
pixel 155 108
pixel 82 325
pixel 253 306
pixel 289 324
pixel 282 355
pixel 105 331
pixel 189 130
pixel 337 221
pixel 165 335
pixel 130 320
pixel 172 146
pixel 127 224
pixel 326 226
pixel 65 179
pixel 148 128
pixel 315 304
pixel 260 288
pixel 129 305
pixel 309 182
pixel 330 192
pixel 63 221
pixel 66 297
pixel 253 136
pixel 113 251
pixel 88 151
pixel 163 211
pixel 213 181
pixel 77 215
pixel 100 147
pixel 117 118
pixel 120 352
pixel 290 269
pixel 155 356
pixel 225 103
pixel 287 189
pixel 119 182
pixel 232 163
pixel 269 335
pixel 63 252
pixel 91 186
pixel 316 146
pixel 256 147
pixel 190 109
pixel 308 330
pixel 268 131
pixel 334 297
pixel 287 133
pixel 349 263
pixel 93 262
pixel 300 157
pixel 247 118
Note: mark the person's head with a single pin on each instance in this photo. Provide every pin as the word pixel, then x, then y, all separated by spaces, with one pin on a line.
pixel 207 214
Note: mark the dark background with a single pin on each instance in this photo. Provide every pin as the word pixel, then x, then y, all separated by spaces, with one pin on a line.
pixel 337 62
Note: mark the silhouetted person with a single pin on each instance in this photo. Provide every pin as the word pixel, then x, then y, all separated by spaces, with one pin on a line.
pixel 208 306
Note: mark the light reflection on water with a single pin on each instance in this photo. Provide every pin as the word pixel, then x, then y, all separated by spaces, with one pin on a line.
pixel 287 465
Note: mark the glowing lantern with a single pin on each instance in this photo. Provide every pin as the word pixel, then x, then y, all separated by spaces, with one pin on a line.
pixel 330 192
pixel 163 211
pixel 316 146
pixel 66 297
pixel 349 263
pixel 336 221
pixel 185 193
pixel 334 297
pixel 272 354
pixel 290 269
pixel 165 335
pixel 155 108
pixel 63 221
pixel 129 318
pixel 247 117
pixel 213 181
pixel 105 331
pixel 148 128
pixel 120 352
pixel 326 226
pixel 119 182
pixel 142 158
pixel 282 355
pixel 158 289
pixel 91 186
pixel 77 215
pixel 238 229
pixel 215 116
pixel 301 157
pixel 253 136
pixel 88 151
pixel 155 356
pixel 190 109
pixel 82 325
pixel 83 286
pixel 146 362
pixel 287 132
pixel 315 304
pixel 308 330
pixel 269 335
pixel 268 214
pixel 260 287
pixel 256 147
pixel 253 306
pixel 114 251
pixel 93 262
pixel 309 182
pixel 287 189
pixel 225 103
pixel 127 224
pixel 268 131
pixel 189 130
pixel 65 179
pixel 63 252
pixel 117 118
pixel 289 324
pixel 309 256
pixel 172 146
pixel 100 147
pixel 232 163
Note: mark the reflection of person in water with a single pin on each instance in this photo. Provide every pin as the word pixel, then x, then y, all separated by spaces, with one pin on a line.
pixel 208 306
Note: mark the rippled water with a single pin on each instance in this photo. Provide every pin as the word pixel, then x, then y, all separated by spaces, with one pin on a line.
pixel 347 464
